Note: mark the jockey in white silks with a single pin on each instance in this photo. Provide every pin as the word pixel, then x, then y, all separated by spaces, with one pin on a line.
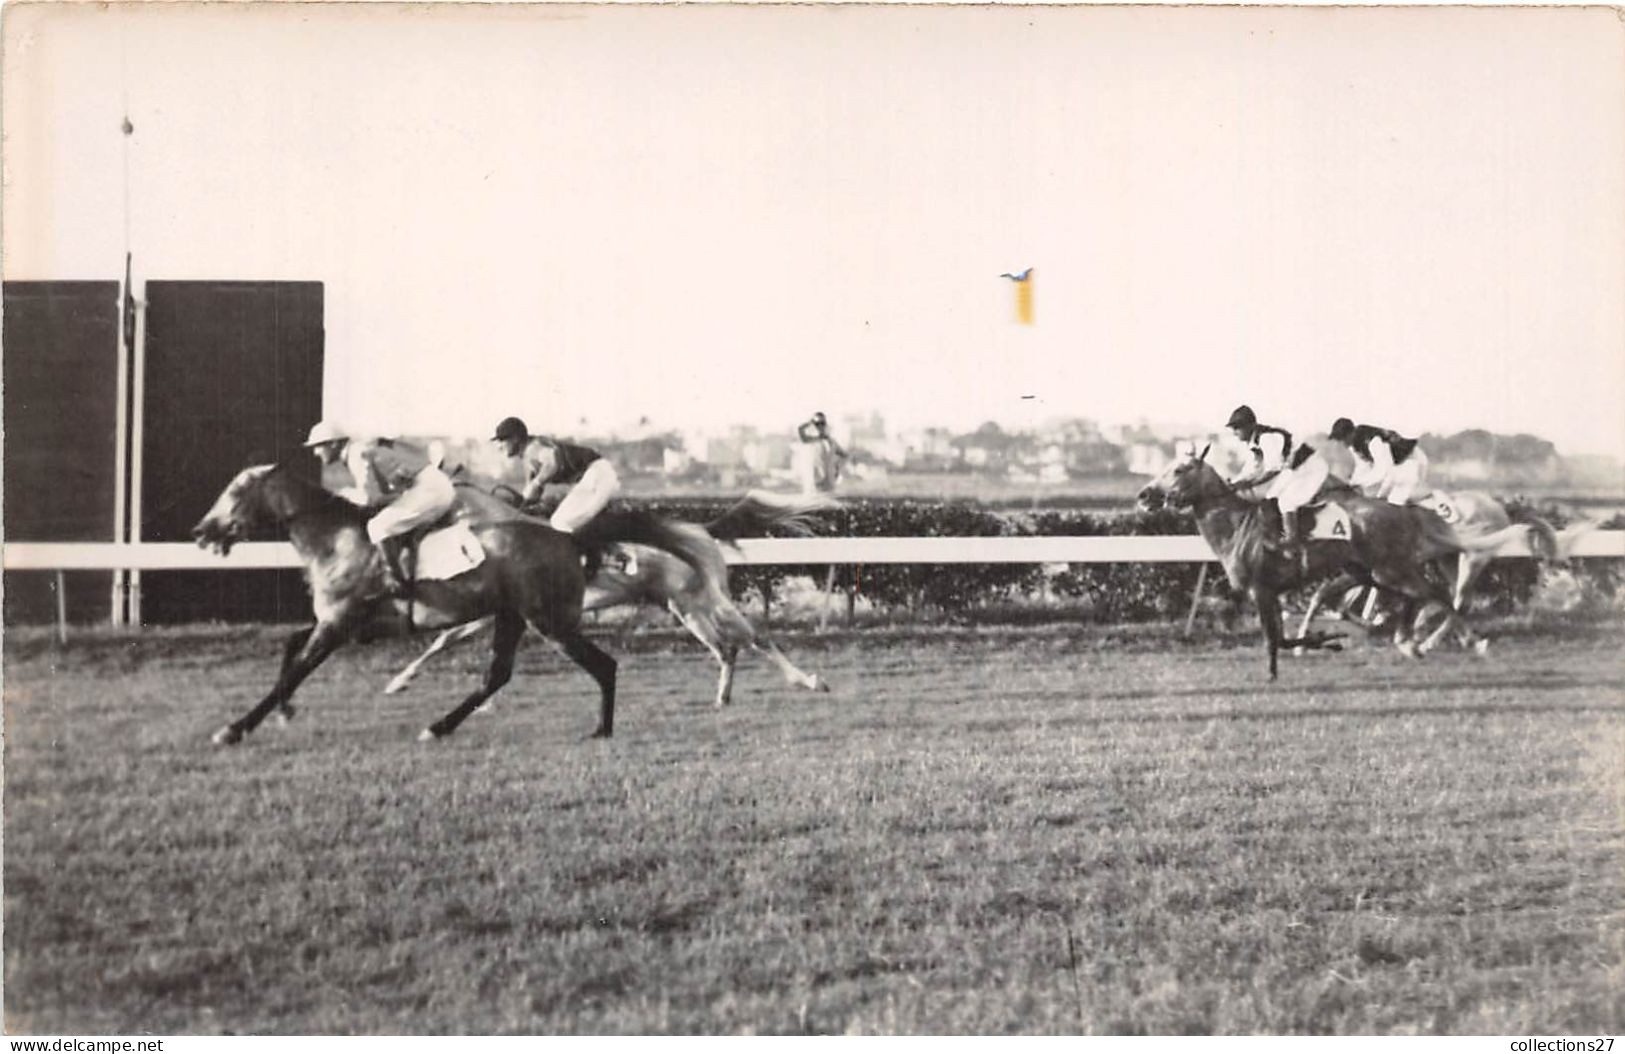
pixel 1290 475
pixel 413 491
pixel 594 480
pixel 1386 464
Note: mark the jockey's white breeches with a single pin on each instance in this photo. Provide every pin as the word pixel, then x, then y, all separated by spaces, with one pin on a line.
pixel 587 498
pixel 1408 481
pixel 1294 488
pixel 1366 478
pixel 430 497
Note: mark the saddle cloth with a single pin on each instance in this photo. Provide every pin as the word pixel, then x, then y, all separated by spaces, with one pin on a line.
pixel 1326 520
pixel 1443 506
pixel 448 552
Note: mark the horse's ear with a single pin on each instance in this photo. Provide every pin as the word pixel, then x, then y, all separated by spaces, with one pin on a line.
pixel 1203 455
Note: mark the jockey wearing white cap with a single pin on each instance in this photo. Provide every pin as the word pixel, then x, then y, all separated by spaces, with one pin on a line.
pixel 413 491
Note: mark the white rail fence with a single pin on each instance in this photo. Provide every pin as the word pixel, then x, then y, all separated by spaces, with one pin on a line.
pixel 60 557
pixel 247 556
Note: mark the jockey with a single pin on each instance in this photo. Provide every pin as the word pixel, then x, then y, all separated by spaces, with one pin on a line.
pixel 551 461
pixel 1291 475
pixel 1387 465
pixel 413 491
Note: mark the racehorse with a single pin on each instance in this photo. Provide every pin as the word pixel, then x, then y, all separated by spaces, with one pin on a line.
pixel 530 574
pixel 658 578
pixel 1389 544
pixel 1486 522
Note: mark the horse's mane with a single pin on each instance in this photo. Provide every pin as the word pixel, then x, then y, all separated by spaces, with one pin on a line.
pixel 309 492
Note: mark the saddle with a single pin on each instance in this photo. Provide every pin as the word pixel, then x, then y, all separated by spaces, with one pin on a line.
pixel 436 551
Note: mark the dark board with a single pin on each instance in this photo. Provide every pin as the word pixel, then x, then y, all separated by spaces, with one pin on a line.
pixel 61 354
pixel 233 378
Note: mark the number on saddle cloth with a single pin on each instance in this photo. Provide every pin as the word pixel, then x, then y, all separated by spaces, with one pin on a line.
pixel 1328 520
pixel 1444 507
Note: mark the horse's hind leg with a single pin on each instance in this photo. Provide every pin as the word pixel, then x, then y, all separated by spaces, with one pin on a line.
pixel 727 660
pixel 510 627
pixel 737 626
pixel 455 635
pixel 1326 591
pixel 792 673
pixel 302 654
pixel 601 665
pixel 706 631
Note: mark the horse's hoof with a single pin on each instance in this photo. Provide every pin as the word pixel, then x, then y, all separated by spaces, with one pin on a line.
pixel 1408 649
pixel 1300 652
pixel 1481 646
pixel 819 684
pixel 598 733
pixel 429 735
pixel 395 687
pixel 227 736
pixel 285 716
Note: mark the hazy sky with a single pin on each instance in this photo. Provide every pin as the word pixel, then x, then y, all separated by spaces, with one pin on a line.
pixel 712 214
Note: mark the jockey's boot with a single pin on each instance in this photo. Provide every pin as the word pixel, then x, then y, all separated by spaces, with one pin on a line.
pixel 394 579
pixel 1292 543
pixel 1274 531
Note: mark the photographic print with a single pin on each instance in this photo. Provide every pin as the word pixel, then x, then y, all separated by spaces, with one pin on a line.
pixel 813 519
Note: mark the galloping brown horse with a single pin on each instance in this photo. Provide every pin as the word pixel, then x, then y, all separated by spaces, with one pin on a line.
pixel 531 574
pixel 1484 525
pixel 1388 544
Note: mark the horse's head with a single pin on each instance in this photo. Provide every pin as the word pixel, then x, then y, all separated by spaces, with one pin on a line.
pixel 240 508
pixel 1185 479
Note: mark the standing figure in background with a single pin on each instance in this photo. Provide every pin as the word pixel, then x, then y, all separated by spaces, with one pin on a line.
pixel 593 479
pixel 820 472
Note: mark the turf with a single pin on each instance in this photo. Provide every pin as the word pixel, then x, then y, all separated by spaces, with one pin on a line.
pixel 1052 830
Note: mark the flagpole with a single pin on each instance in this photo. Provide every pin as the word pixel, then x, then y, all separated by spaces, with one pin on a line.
pixel 121 440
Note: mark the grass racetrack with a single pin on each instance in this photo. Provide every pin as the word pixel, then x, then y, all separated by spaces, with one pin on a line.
pixel 1054 829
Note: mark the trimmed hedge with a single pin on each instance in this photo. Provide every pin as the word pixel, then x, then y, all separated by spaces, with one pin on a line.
pixel 1100 592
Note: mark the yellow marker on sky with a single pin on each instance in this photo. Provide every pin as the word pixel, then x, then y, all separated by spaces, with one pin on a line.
pixel 1024 295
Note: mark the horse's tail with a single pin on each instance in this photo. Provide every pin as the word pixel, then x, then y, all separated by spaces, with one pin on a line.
pixel 1544 544
pixel 760 510
pixel 1487 541
pixel 686 541
pixel 1564 540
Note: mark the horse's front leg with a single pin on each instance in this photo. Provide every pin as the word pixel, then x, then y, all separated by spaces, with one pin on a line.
pixel 285 709
pixel 318 643
pixel 455 635
pixel 1269 614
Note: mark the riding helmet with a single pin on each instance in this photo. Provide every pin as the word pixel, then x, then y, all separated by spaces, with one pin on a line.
pixel 1241 417
pixel 1342 430
pixel 511 428
pixel 325 432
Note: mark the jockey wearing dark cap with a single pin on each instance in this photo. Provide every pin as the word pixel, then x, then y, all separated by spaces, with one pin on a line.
pixel 548 460
pixel 1387 465
pixel 1290 475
